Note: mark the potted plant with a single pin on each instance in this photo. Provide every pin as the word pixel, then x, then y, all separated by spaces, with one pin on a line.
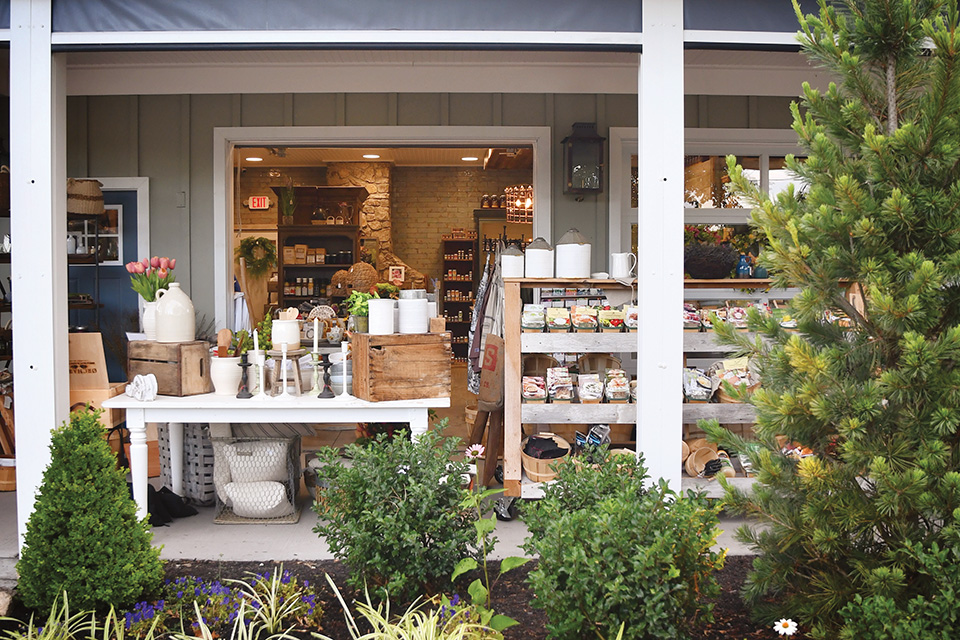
pixel 288 203
pixel 148 276
pixel 359 310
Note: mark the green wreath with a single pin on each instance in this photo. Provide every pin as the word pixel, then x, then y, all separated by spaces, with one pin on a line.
pixel 259 253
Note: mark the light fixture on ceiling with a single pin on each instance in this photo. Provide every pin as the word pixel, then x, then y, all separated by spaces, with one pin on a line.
pixel 371 156
pixel 469 158
pixel 519 203
pixel 254 159
pixel 274 173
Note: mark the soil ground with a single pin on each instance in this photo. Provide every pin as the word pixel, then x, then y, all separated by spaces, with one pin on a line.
pixel 512 597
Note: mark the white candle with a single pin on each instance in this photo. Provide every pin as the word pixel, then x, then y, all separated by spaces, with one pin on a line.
pixel 316 333
pixel 256 342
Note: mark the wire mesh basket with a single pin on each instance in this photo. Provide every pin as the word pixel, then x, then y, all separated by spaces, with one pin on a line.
pixel 257 480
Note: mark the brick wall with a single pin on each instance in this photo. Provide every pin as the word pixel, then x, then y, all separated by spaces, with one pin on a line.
pixel 429 201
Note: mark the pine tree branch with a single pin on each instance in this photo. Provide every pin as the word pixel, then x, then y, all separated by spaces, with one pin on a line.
pixel 891 93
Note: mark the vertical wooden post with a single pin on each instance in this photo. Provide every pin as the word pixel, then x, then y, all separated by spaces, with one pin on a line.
pixel 511 385
pixel 38 195
pixel 660 242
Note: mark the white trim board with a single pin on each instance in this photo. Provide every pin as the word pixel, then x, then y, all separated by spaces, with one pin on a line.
pixel 372 37
pixel 226 138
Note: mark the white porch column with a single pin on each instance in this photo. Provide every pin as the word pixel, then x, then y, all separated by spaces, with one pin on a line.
pixel 660 242
pixel 38 228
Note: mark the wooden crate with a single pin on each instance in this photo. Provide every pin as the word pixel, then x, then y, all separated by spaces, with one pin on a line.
pixel 401 367
pixel 79 398
pixel 181 368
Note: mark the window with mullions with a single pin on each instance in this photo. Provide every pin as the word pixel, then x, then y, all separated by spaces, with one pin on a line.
pixel 83 237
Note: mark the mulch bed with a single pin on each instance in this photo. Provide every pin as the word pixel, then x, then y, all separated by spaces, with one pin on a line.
pixel 512 597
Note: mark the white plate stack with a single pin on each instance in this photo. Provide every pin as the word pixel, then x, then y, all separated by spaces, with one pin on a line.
pixel 413 315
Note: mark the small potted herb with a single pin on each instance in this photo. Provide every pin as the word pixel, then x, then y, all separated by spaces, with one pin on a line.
pixel 359 310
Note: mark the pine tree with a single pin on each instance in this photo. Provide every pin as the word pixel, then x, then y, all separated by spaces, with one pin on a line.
pixel 83 536
pixel 876 397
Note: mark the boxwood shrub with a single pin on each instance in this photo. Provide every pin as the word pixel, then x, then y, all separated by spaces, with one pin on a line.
pixel 613 552
pixel 391 515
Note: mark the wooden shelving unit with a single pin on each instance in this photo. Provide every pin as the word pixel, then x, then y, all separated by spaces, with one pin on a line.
pixel 516 344
pixel 457 291
pixel 310 228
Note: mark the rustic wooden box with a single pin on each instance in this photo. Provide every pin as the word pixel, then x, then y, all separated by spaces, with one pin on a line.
pixel 181 368
pixel 401 367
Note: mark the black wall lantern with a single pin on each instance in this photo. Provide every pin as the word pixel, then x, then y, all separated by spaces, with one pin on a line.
pixel 583 160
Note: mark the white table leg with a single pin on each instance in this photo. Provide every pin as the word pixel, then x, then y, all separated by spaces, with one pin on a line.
pixel 175 433
pixel 418 423
pixel 138 459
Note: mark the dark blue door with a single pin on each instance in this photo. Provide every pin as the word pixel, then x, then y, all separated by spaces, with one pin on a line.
pixel 118 312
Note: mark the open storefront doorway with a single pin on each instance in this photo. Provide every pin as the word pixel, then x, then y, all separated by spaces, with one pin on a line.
pixel 230 178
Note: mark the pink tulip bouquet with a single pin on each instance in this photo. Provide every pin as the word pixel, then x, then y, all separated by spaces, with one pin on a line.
pixel 147 276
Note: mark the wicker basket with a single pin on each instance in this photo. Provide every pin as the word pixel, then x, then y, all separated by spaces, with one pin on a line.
pixel 700 443
pixel 685 451
pixel 725 397
pixel 539 470
pixel 340 279
pixel 84 197
pixel 697 461
pixel 362 276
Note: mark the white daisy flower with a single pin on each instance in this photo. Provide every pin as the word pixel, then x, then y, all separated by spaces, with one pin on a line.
pixel 785 627
pixel 402 469
pixel 474 451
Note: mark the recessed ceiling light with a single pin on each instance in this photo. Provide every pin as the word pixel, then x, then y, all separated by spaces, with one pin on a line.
pixel 469 158
pixel 371 156
pixel 254 159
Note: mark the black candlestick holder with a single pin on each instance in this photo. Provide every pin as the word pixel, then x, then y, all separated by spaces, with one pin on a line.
pixel 327 391
pixel 244 384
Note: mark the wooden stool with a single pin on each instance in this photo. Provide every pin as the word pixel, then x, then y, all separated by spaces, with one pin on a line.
pixel 276 380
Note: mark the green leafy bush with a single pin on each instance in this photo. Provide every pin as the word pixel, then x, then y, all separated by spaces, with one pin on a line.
pixel 932 616
pixel 83 536
pixel 613 554
pixel 392 515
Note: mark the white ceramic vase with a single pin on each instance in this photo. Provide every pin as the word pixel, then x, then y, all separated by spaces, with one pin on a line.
pixel 225 373
pixel 176 321
pixel 149 320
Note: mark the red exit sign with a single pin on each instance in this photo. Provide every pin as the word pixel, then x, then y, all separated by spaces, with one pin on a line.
pixel 258 202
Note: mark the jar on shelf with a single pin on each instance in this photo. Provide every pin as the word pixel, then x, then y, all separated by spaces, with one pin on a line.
pixel 485 201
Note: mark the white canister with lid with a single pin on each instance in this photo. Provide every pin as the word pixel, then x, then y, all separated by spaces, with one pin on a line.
pixel 573 255
pixel 176 320
pixel 511 262
pixel 538 260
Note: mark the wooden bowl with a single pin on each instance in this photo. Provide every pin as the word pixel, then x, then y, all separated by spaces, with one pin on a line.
pixel 697 461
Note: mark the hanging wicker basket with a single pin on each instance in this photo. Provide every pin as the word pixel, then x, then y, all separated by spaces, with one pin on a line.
pixel 84 197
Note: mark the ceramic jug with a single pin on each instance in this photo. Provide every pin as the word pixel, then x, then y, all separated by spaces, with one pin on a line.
pixel 176 321
pixel 622 264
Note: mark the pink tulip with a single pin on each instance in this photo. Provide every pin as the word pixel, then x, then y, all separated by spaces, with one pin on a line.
pixel 146 264
pixel 130 267
pixel 162 273
pixel 164 263
pixel 154 262
pixel 138 267
pixel 173 263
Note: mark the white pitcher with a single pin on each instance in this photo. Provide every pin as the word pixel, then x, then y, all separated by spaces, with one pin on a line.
pixel 176 320
pixel 622 265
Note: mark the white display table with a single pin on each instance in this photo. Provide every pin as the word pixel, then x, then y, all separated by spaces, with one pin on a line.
pixel 227 409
